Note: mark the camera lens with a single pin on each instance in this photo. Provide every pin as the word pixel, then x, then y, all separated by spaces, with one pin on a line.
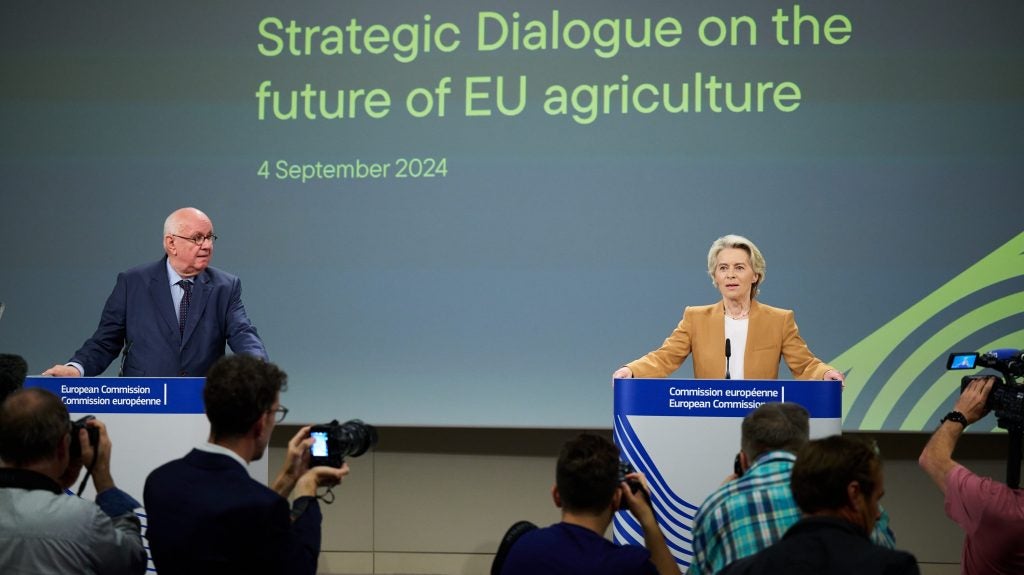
pixel 356 437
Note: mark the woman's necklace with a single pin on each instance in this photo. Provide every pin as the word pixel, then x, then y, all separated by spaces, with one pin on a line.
pixel 742 315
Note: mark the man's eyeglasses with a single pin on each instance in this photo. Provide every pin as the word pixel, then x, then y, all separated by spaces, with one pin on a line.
pixel 279 413
pixel 198 239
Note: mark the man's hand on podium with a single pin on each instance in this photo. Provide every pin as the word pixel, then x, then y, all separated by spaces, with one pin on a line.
pixel 61 370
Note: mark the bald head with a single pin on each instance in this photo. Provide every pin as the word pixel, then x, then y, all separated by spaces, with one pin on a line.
pixel 180 217
pixel 188 241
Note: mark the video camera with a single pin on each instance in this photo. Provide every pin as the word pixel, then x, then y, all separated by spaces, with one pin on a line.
pixel 93 433
pixel 1007 397
pixel 333 442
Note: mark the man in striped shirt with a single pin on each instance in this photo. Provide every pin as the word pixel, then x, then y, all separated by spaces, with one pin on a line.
pixel 751 511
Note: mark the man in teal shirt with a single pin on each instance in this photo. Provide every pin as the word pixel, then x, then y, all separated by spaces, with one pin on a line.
pixel 752 511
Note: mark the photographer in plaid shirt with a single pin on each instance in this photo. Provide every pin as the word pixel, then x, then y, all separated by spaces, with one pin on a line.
pixel 752 510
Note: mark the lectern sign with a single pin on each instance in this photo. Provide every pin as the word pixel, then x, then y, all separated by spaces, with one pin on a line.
pixel 127 395
pixel 684 435
pixel 722 398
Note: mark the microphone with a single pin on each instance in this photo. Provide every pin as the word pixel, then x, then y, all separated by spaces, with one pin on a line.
pixel 728 354
pixel 124 358
pixel 1008 361
pixel 996 355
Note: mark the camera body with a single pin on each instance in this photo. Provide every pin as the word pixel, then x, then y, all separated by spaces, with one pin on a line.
pixel 93 433
pixel 333 442
pixel 625 468
pixel 1006 399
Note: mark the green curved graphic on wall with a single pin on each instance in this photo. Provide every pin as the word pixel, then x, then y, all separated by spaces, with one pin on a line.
pixel 885 383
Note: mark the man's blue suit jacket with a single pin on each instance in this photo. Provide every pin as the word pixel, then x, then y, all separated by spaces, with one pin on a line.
pixel 139 315
pixel 205 515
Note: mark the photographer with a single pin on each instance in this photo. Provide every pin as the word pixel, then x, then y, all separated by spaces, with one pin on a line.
pixel 206 515
pixel 43 530
pixel 589 491
pixel 754 508
pixel 990 513
pixel 837 483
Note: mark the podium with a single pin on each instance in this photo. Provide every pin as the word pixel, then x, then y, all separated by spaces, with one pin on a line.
pixel 150 421
pixel 684 434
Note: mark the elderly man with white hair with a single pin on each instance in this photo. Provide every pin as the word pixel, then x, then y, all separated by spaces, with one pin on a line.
pixel 172 317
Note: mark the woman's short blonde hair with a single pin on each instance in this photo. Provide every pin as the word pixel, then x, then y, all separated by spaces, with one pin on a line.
pixel 733 241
